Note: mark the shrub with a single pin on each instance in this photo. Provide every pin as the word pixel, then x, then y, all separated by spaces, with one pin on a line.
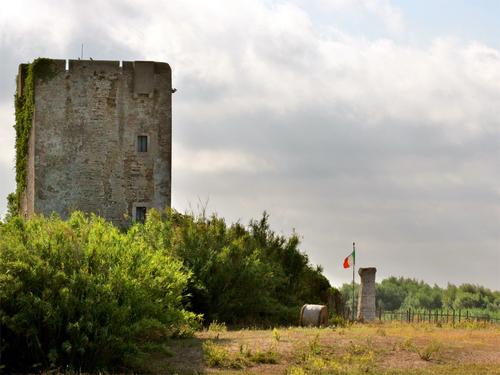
pixel 217 327
pixel 337 321
pixel 215 355
pixel 231 262
pixel 218 356
pixel 276 335
pixel 270 356
pixel 83 294
pixel 430 351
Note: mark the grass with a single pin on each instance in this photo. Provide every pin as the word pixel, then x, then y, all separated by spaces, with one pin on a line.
pixel 218 356
pixel 388 349
pixel 429 351
pixel 217 327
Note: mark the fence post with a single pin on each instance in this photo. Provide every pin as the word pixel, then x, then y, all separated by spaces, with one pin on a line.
pixel 459 315
pixel 453 316
pixel 467 314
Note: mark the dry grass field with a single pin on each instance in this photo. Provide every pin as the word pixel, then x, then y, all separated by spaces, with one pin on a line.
pixel 388 348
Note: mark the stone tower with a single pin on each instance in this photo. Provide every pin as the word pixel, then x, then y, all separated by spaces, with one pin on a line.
pixel 100 139
pixel 366 298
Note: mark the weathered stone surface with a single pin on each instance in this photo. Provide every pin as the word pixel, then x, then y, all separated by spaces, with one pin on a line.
pixel 83 144
pixel 366 298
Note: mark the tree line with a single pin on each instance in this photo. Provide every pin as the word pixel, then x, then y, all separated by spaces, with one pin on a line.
pixel 395 293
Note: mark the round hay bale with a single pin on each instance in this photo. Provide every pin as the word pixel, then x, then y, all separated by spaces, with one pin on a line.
pixel 314 315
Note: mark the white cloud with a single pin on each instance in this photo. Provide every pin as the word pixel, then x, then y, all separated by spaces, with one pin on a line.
pixel 7 136
pixel 7 139
pixel 279 61
pixel 31 24
pixel 380 10
pixel 217 161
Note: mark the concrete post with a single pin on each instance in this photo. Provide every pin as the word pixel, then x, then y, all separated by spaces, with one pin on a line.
pixel 366 298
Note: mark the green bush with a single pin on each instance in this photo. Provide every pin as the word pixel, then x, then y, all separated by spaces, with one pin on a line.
pixel 83 294
pixel 218 356
pixel 241 275
pixel 217 327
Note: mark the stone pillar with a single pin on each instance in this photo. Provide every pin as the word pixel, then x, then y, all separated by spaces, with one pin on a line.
pixel 366 297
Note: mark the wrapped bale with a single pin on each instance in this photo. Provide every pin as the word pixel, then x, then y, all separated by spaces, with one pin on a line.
pixel 314 315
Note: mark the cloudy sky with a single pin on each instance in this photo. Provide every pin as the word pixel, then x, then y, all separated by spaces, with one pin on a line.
pixel 373 121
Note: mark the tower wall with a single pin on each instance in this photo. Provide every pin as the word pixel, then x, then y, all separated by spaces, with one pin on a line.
pixel 83 143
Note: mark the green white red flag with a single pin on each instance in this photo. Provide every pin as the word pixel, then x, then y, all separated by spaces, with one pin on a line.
pixel 349 261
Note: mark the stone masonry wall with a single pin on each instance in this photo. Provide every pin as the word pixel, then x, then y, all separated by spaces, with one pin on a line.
pixel 86 123
pixel 366 298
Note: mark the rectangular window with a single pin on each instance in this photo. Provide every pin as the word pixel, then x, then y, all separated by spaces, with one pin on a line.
pixel 142 143
pixel 140 214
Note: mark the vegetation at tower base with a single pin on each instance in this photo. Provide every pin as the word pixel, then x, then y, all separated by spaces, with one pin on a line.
pixel 39 69
pixel 81 293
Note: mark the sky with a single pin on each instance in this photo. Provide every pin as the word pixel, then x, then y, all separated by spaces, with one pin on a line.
pixel 372 121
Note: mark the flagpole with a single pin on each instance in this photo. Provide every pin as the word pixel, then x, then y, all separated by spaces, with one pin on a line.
pixel 353 267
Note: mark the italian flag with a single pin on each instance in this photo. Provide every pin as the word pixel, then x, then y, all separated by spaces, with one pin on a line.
pixel 349 261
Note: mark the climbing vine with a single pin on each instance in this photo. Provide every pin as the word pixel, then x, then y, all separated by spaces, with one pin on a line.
pixel 40 69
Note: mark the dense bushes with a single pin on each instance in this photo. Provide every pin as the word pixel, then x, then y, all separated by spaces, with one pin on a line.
pixel 82 293
pixel 241 275
pixel 85 294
